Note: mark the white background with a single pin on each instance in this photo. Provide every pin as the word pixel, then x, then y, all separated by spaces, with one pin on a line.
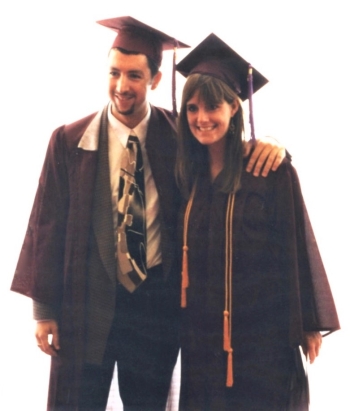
pixel 53 71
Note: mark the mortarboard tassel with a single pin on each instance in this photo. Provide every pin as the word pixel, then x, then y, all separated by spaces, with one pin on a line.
pixel 250 96
pixel 173 82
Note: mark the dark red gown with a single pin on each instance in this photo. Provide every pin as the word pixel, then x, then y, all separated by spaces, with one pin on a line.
pixel 280 289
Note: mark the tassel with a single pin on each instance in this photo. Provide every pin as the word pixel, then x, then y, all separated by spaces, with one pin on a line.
pixel 183 298
pixel 173 80
pixel 250 96
pixel 229 377
pixel 226 332
pixel 228 291
pixel 185 277
pixel 185 280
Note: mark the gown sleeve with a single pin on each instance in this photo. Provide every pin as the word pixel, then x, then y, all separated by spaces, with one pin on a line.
pixel 324 306
pixel 39 271
pixel 311 303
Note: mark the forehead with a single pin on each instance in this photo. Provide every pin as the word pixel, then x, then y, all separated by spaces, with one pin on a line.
pixel 195 97
pixel 201 96
pixel 128 62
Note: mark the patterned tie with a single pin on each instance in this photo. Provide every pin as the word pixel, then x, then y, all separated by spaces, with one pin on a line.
pixel 131 231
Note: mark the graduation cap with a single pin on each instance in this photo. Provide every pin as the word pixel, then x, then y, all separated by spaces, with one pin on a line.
pixel 215 58
pixel 135 36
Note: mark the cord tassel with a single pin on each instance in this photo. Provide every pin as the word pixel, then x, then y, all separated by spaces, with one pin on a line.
pixel 183 297
pixel 184 275
pixel 229 377
pixel 185 279
pixel 227 345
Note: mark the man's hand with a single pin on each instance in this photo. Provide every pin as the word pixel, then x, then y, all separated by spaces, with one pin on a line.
pixel 267 152
pixel 42 332
pixel 311 345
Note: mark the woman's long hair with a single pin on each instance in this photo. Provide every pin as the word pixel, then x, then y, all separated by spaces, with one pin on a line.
pixel 192 157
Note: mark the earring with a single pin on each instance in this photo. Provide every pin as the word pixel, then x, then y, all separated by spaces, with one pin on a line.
pixel 232 126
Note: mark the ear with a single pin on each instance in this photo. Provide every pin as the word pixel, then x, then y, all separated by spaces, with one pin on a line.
pixel 234 107
pixel 155 80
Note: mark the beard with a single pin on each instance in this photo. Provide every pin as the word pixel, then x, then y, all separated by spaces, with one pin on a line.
pixel 128 113
pixel 125 112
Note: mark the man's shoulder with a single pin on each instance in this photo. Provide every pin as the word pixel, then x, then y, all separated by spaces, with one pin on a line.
pixel 77 128
pixel 81 122
pixel 70 134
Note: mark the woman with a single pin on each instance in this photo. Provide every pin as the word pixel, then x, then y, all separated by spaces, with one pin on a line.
pixel 252 276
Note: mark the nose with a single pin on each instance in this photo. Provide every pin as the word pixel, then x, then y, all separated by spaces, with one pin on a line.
pixel 121 85
pixel 202 115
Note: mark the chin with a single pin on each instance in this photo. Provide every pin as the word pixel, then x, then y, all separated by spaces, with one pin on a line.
pixel 124 112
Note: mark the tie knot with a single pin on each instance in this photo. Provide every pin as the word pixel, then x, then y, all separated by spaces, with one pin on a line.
pixel 133 139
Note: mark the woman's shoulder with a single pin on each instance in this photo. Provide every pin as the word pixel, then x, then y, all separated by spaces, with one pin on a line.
pixel 283 176
pixel 285 171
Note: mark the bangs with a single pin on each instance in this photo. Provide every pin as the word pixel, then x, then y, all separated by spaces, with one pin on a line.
pixel 210 93
pixel 210 90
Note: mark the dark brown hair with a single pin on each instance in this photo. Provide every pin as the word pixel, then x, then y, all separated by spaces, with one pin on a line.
pixel 151 63
pixel 192 157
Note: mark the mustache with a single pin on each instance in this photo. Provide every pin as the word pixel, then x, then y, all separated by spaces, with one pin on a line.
pixel 124 94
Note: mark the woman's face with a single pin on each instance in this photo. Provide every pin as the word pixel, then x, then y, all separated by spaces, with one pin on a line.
pixel 209 125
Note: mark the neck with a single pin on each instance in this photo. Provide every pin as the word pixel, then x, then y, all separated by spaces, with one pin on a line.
pixel 216 154
pixel 130 120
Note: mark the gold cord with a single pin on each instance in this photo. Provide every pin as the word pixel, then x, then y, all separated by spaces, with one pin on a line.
pixel 227 329
pixel 227 326
pixel 184 274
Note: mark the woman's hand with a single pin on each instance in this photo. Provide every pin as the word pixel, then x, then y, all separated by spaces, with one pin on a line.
pixel 311 345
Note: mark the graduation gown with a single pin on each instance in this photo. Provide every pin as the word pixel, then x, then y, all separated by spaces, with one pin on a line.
pixel 279 290
pixel 53 265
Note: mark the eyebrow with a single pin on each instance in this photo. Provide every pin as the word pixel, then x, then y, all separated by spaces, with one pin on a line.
pixel 135 71
pixel 140 72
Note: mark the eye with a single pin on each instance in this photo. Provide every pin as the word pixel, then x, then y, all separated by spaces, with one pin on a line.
pixel 191 108
pixel 213 107
pixel 135 76
pixel 113 73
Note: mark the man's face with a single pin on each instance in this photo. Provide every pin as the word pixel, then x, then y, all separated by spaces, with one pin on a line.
pixel 129 81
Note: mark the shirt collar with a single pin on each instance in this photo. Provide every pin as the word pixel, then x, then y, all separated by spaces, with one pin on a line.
pixel 123 131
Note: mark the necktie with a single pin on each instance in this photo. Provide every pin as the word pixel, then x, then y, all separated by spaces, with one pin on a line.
pixel 131 230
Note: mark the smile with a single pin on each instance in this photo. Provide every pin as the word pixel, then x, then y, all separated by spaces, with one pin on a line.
pixel 124 97
pixel 205 128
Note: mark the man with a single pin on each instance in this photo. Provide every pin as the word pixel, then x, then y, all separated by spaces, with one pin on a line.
pixel 101 303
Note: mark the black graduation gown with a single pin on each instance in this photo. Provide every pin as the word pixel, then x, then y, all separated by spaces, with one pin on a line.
pixel 279 290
